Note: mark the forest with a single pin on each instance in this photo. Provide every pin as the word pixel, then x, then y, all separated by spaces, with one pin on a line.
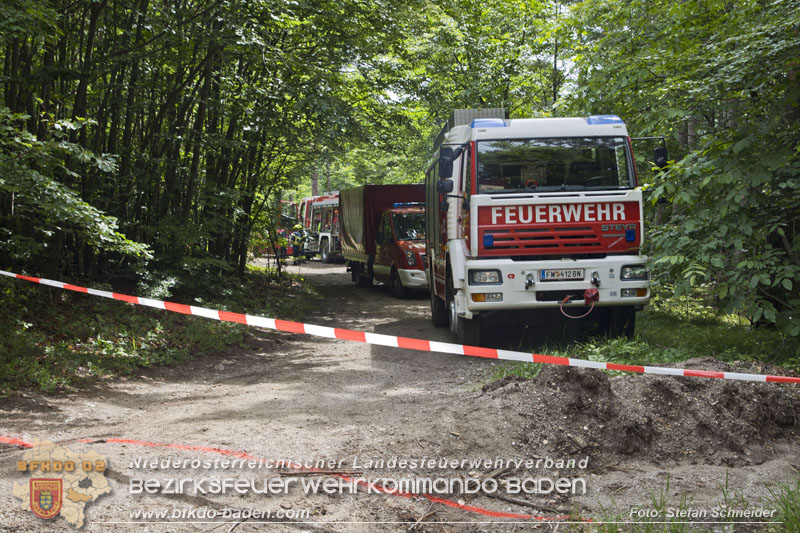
pixel 145 143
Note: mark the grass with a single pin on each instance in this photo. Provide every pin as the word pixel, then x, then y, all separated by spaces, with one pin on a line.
pixel 658 510
pixel 674 330
pixel 51 339
pixel 786 499
pixel 655 515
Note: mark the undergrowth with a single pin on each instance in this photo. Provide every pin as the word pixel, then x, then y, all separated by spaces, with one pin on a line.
pixel 670 331
pixel 53 339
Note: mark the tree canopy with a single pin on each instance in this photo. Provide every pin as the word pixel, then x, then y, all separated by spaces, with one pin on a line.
pixel 144 139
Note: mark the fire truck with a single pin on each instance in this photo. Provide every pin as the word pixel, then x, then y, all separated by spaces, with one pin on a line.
pixel 383 235
pixel 534 213
pixel 319 216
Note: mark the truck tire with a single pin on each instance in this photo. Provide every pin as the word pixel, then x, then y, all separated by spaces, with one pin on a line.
pixel 439 315
pixel 397 286
pixel 619 322
pixel 467 331
pixel 325 252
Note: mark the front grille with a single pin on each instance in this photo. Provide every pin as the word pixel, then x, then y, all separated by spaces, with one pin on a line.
pixel 545 239
pixel 558 296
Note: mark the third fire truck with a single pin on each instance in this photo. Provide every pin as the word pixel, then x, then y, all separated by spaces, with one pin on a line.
pixel 534 213
pixel 319 216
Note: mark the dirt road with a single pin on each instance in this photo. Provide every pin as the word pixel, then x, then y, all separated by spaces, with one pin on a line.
pixel 308 399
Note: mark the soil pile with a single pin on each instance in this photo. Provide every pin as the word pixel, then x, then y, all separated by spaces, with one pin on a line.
pixel 572 412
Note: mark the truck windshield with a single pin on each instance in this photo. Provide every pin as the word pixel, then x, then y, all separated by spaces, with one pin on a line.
pixel 409 226
pixel 553 164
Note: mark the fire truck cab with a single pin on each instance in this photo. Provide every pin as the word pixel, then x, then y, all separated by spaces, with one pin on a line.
pixel 534 213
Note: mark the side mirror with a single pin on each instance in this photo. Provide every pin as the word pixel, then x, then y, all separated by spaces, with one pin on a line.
pixel 444 186
pixel 445 163
pixel 660 157
pixel 446 157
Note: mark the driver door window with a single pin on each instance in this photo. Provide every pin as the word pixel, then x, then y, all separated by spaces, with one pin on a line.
pixel 386 228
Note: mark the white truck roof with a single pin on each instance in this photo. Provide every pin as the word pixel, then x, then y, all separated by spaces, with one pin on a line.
pixel 526 128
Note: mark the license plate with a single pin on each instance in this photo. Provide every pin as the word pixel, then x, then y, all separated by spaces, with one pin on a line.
pixel 561 274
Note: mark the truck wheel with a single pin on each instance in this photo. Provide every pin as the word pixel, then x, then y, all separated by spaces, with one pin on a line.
pixel 466 331
pixel 439 315
pixel 619 322
pixel 325 252
pixel 397 286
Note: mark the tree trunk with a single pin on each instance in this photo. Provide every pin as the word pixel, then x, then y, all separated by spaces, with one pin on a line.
pixel 197 133
pixel 79 109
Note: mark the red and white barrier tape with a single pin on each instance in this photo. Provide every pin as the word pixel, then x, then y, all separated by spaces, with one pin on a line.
pixel 403 342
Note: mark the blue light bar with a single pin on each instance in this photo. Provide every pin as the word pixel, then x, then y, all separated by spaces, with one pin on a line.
pixel 407 204
pixel 488 240
pixel 604 119
pixel 488 123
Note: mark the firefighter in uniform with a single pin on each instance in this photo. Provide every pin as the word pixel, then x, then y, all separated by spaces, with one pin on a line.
pixel 297 239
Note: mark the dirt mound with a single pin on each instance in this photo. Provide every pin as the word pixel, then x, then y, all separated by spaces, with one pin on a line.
pixel 572 411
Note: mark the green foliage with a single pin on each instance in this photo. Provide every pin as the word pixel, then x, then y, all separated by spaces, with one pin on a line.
pixel 674 330
pixel 481 54
pixel 786 499
pixel 522 370
pixel 720 81
pixel 41 205
pixel 180 125
pixel 55 340
pixel 451 55
pixel 200 113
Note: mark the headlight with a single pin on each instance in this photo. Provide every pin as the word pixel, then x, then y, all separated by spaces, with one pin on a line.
pixel 411 259
pixel 485 277
pixel 634 272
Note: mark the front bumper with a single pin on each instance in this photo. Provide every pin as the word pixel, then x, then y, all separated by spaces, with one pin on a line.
pixel 548 294
pixel 413 278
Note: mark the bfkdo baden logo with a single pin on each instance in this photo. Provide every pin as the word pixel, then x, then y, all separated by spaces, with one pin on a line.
pixel 62 482
pixel 46 496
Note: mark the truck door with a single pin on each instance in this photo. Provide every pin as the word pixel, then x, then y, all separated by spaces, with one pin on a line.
pixel 385 248
pixel 435 236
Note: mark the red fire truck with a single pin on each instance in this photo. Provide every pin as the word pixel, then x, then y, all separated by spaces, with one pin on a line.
pixel 319 216
pixel 534 213
pixel 383 235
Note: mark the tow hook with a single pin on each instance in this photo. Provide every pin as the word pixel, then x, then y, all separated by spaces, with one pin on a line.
pixel 529 281
pixel 590 296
